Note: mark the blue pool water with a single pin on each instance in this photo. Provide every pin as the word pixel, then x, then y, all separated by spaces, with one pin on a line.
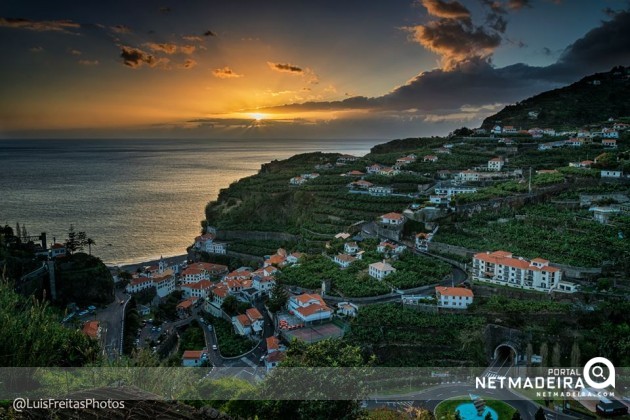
pixel 467 411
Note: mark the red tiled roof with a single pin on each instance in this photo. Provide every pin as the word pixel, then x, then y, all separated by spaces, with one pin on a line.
pixel 90 329
pixel 243 320
pixel 273 343
pixel 392 216
pixel 305 298
pixel 253 314
pixel 312 309
pixel 454 291
pixel 192 354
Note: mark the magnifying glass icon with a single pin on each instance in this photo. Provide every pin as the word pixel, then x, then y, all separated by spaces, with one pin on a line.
pixel 598 372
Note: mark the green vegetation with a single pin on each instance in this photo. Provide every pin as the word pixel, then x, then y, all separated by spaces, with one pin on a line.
pixel 313 269
pixel 591 104
pixel 560 235
pixel 230 344
pixel 83 279
pixel 192 338
pixel 447 408
pixel 417 270
pixel 31 335
pixel 505 305
pixel 401 336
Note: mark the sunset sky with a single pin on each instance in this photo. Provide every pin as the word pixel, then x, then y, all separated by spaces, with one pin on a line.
pixel 295 69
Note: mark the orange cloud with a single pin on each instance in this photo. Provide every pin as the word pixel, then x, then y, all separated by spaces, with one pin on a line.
pixel 225 73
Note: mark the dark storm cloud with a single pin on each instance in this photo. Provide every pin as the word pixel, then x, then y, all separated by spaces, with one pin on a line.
pixel 40 25
pixel 475 82
pixel 456 40
pixel 286 68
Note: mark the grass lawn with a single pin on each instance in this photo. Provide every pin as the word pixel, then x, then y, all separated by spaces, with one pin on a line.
pixel 504 411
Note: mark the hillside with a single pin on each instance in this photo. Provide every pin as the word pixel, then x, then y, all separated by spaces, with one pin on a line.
pixel 591 100
pixel 84 279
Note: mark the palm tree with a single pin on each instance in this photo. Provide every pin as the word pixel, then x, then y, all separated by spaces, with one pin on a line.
pixel 89 242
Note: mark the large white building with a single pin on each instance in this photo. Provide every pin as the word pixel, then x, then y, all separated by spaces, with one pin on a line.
pixel 309 308
pixel 496 164
pixel 208 244
pixel 162 279
pixel 453 297
pixel 380 270
pixel 501 267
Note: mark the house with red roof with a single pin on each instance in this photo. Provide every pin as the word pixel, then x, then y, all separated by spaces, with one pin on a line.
pixel 194 358
pixel 501 267
pixel 250 323
pixel 199 290
pixel 453 297
pixel 275 352
pixel 309 308
pixel 392 219
pixel 184 308
pixel 430 158
pixel 609 143
pixel 57 250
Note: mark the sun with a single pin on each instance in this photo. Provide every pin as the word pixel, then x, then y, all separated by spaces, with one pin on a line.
pixel 257 116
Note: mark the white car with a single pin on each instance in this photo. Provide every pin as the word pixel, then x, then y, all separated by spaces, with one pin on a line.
pixel 214 347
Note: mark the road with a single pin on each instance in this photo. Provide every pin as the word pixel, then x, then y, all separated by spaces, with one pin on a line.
pixel 110 319
pixel 430 398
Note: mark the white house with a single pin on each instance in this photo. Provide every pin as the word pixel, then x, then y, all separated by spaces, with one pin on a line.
pixel 508 129
pixel 390 247
pixel 467 175
pixel 392 219
pixel 294 257
pixel 379 190
pixel 453 297
pixel 263 283
pixel 137 284
pixel 297 180
pixel 439 199
pixel 200 289
pixel 380 270
pixel 351 248
pixel 347 309
pixel 193 358
pixel 193 275
pixel 344 260
pixel 500 267
pixel 57 250
pixel 387 171
pixel 496 129
pixel 422 241
pixel 496 164
pixel 250 323
pixel 373 169
pixel 609 133
pixel 164 283
pixel 603 213
pixel 207 243
pixel 575 142
pixel 430 158
pixel 405 160
pixel 451 191
pixel 275 353
pixel 611 143
pixel 361 184
pixel 605 173
pixel 309 308
pixel 549 132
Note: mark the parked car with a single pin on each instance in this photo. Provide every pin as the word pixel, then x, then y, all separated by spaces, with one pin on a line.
pixel 214 347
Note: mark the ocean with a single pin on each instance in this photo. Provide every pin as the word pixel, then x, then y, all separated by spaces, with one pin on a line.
pixel 137 199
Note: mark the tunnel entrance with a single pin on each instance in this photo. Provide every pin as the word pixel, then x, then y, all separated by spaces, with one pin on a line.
pixel 505 353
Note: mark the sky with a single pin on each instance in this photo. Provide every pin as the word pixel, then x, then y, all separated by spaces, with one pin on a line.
pixel 290 69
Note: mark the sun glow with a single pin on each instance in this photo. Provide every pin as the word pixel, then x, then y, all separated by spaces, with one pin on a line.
pixel 258 116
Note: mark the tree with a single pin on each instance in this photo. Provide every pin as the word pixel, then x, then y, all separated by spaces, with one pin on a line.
pixel 81 240
pixel 279 297
pixel 72 243
pixel 540 414
pixel 24 234
pixel 89 242
pixel 488 416
pixel 544 354
pixel 230 305
pixel 576 354
pixel 516 416
pixel 556 355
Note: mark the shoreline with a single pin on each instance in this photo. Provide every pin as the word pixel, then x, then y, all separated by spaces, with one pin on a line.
pixel 133 266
